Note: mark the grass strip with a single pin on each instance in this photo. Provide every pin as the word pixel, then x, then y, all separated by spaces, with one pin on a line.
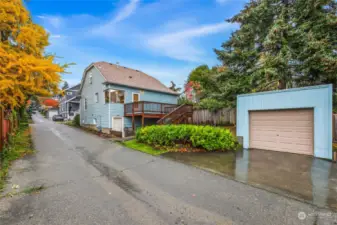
pixel 19 145
pixel 133 144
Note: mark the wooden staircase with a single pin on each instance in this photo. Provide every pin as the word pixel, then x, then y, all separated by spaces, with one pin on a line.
pixel 181 115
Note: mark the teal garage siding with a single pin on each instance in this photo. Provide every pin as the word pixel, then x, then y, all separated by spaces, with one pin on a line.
pixel 319 98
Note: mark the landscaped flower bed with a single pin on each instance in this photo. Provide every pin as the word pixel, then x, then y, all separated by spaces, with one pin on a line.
pixel 190 137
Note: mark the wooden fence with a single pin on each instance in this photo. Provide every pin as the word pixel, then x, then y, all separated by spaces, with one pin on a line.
pixel 226 116
pixel 5 128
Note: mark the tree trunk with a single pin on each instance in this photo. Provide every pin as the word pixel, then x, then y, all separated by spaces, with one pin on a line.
pixel 282 85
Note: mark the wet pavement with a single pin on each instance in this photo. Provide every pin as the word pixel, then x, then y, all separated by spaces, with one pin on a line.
pixel 88 180
pixel 298 176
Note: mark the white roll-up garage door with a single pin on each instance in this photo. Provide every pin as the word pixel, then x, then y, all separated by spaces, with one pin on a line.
pixel 282 130
pixel 117 123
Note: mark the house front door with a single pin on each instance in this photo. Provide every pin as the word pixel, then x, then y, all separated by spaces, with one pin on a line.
pixel 135 100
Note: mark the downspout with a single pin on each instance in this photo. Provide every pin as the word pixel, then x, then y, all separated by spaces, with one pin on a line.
pixel 123 132
pixel 109 111
pixel 81 112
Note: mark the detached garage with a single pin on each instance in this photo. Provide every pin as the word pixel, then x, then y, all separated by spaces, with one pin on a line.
pixel 295 120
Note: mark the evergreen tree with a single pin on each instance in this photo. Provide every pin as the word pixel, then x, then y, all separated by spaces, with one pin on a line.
pixel 174 87
pixel 65 85
pixel 280 44
pixel 316 32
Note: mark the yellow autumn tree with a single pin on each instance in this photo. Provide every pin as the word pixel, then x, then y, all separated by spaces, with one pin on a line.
pixel 25 70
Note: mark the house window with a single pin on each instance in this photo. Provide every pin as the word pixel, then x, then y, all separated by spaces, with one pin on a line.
pixel 116 96
pixel 96 97
pixel 90 79
pixel 69 93
pixel 135 97
pixel 85 104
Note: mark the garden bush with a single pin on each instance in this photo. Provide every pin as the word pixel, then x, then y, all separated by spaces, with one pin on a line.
pixel 76 120
pixel 206 137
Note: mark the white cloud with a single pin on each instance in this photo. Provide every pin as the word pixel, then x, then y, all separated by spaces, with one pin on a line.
pixel 53 21
pixel 108 29
pixel 222 1
pixel 84 55
pixel 180 45
pixel 195 32
pixel 126 11
pixel 88 39
pixel 55 36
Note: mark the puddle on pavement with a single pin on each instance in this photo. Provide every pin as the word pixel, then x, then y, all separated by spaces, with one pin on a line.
pixel 310 179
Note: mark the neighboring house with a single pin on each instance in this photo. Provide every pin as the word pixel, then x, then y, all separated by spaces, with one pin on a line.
pixel 49 106
pixel 51 112
pixel 191 92
pixel 297 120
pixel 70 102
pixel 48 102
pixel 119 99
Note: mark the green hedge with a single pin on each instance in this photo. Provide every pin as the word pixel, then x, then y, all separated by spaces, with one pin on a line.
pixel 206 137
pixel 76 121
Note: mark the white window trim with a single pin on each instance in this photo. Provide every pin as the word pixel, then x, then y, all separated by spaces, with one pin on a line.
pixel 96 97
pixel 85 108
pixel 136 93
pixel 90 78
pixel 115 90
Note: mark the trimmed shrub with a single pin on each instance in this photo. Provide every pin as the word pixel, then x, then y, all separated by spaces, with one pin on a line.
pixel 184 100
pixel 76 120
pixel 206 137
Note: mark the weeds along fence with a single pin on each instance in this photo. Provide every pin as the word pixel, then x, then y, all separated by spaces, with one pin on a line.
pixel 225 116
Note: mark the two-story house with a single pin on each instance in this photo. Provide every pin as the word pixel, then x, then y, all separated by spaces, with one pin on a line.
pixel 70 102
pixel 116 99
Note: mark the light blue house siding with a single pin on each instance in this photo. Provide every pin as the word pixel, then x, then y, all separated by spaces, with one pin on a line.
pixel 95 112
pixel 317 97
pixel 98 112
pixel 145 95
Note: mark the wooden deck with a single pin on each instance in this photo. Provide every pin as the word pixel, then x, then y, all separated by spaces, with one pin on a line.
pixel 181 114
pixel 147 109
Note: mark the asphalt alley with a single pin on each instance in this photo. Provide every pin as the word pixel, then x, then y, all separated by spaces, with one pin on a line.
pixel 89 180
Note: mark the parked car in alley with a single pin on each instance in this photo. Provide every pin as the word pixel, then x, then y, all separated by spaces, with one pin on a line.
pixel 58 118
